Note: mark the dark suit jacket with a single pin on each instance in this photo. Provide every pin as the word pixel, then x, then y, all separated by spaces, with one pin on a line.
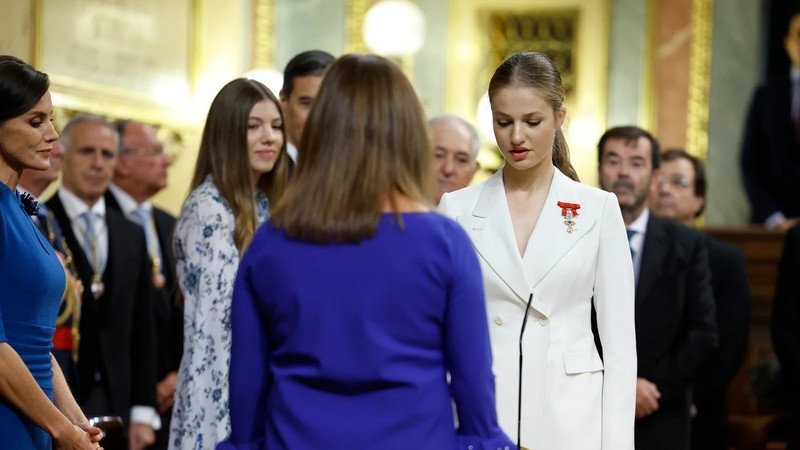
pixel 785 326
pixel 786 310
pixel 770 156
pixel 732 297
pixel 675 320
pixel 169 315
pixel 117 336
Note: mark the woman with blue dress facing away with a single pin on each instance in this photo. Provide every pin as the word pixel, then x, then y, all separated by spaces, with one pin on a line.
pixel 552 250
pixel 355 300
pixel 36 405
pixel 242 166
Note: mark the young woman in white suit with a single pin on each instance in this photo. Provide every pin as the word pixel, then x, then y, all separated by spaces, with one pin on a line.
pixel 551 248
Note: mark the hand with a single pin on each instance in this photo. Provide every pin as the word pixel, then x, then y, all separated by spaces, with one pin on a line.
pixel 165 392
pixel 95 434
pixel 787 223
pixel 647 396
pixel 75 438
pixel 140 436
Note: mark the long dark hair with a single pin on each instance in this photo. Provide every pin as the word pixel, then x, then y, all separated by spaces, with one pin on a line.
pixel 539 72
pixel 21 87
pixel 223 154
pixel 365 142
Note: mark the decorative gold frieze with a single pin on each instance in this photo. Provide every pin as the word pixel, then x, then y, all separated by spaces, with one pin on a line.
pixel 699 78
pixel 263 33
pixel 552 32
pixel 354 26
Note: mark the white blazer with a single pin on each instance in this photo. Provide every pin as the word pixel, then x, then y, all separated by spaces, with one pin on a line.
pixel 571 400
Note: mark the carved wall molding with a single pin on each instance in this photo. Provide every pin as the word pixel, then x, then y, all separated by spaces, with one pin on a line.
pixel 700 78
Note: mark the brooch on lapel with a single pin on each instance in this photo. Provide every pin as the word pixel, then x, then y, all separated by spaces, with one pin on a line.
pixel 29 204
pixel 569 211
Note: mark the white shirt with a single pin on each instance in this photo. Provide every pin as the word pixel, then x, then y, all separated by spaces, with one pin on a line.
pixel 637 240
pixel 75 208
pixel 292 151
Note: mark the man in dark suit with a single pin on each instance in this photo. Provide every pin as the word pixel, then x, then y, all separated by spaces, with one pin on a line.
pixel 770 156
pixel 140 172
pixel 785 327
pixel 301 80
pixel 116 363
pixel 680 196
pixel 675 323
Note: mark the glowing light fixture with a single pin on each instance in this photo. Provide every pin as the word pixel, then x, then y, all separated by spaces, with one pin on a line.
pixel 394 28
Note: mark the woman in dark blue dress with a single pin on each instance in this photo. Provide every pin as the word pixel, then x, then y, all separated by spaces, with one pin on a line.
pixel 355 302
pixel 35 402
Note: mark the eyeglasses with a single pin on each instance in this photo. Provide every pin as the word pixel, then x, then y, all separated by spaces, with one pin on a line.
pixel 674 181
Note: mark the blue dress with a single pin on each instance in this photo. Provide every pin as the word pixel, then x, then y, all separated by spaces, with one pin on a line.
pixel 32 282
pixel 348 346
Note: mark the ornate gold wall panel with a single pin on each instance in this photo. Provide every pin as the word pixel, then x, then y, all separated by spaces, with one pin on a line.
pixel 552 32
pixel 700 78
pixel 574 32
pixel 111 68
pixel 647 97
pixel 264 33
pixel 354 26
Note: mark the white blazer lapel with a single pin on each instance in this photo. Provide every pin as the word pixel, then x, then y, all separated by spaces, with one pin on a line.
pixel 489 227
pixel 550 240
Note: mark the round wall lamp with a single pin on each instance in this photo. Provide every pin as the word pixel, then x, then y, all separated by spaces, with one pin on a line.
pixel 394 28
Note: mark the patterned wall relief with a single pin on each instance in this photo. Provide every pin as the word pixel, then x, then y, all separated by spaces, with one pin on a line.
pixel 263 33
pixel 553 32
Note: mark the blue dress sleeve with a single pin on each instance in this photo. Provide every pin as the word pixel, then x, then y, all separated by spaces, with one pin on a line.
pixel 2 327
pixel 249 377
pixel 468 352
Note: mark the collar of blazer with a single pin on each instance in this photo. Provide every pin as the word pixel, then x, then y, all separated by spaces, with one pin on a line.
pixel 489 226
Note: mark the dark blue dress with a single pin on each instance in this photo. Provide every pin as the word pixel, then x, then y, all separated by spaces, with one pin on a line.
pixel 348 346
pixel 32 281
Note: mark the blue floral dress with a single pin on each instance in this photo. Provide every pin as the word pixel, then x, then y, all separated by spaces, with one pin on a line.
pixel 206 263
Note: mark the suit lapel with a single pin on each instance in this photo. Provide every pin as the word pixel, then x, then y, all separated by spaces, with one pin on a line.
pixel 165 225
pixel 654 251
pixel 783 102
pixel 550 240
pixel 489 227
pixel 81 261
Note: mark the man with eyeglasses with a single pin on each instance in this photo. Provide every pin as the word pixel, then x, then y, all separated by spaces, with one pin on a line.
pixel 680 195
pixel 676 327
pixel 140 172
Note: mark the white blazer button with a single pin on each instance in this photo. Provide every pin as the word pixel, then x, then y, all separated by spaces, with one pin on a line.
pixel 543 322
pixel 498 320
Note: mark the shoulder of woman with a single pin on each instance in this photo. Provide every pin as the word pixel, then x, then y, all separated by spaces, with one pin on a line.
pixel 205 205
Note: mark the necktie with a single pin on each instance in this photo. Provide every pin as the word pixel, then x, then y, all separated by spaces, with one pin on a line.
pixel 90 246
pixel 94 252
pixel 630 235
pixel 144 218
